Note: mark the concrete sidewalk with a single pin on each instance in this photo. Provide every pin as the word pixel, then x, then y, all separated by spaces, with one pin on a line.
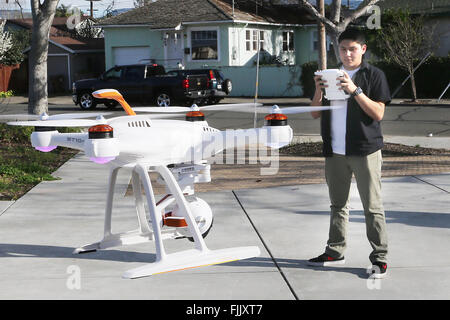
pixel 288 223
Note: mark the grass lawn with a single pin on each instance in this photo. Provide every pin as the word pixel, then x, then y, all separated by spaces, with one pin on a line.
pixel 21 166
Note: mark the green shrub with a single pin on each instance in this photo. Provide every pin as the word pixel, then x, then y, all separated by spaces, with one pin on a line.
pixel 6 94
pixel 307 78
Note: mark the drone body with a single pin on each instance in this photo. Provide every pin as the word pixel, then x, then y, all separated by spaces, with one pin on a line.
pixel 178 151
pixel 132 139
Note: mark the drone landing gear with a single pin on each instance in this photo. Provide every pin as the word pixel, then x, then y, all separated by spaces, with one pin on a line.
pixel 141 235
pixel 200 256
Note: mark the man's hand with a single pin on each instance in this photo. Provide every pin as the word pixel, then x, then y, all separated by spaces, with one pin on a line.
pixel 346 83
pixel 320 84
pixel 373 109
pixel 317 99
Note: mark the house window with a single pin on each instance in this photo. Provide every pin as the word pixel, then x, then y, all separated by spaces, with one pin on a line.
pixel 248 40
pixel 204 45
pixel 251 40
pixel 288 41
pixel 261 40
pixel 315 41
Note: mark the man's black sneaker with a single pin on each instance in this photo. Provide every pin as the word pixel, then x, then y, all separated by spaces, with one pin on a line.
pixel 324 260
pixel 379 270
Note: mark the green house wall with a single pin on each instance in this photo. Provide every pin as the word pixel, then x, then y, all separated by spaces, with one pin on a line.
pixel 233 60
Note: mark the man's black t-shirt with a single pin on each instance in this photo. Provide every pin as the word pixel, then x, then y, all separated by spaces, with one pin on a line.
pixel 363 135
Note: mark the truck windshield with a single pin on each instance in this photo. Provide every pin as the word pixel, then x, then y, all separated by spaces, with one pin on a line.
pixel 114 73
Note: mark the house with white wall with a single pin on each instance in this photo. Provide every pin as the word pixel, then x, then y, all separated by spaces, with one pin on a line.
pixel 221 34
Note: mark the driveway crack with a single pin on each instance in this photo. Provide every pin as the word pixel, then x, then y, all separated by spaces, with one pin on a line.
pixel 267 248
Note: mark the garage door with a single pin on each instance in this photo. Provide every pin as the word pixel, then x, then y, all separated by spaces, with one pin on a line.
pixel 131 55
pixel 57 73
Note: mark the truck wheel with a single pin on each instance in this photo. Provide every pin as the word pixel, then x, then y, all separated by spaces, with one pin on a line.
pixel 87 101
pixel 228 86
pixel 163 99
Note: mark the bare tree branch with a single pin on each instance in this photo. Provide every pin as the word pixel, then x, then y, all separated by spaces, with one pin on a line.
pixel 316 14
pixel 358 13
pixel 336 11
pixel 337 26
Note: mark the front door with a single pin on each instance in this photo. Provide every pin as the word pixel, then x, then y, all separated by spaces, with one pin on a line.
pixel 175 47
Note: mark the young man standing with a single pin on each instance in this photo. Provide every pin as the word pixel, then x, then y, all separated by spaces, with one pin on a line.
pixel 352 142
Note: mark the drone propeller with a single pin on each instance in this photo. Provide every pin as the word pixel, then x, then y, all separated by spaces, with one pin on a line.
pixel 44 116
pixel 66 116
pixel 238 107
pixel 162 109
pixel 194 107
pixel 290 110
pixel 58 123
pixel 231 106
pixel 60 120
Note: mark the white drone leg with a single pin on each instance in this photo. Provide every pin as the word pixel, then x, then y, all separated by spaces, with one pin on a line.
pixel 143 234
pixel 109 201
pixel 200 256
pixel 140 209
pixel 155 216
pixel 108 213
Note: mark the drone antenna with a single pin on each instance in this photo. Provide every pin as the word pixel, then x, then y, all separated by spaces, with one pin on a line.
pixel 114 95
pixel 257 78
pixel 126 107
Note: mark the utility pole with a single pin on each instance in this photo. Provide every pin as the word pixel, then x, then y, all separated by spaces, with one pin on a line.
pixel 92 7
pixel 322 38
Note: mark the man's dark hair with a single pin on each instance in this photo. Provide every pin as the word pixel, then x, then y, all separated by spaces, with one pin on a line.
pixel 353 34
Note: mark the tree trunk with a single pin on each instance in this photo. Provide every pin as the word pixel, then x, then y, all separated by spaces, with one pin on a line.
pixel 335 37
pixel 413 85
pixel 322 38
pixel 42 20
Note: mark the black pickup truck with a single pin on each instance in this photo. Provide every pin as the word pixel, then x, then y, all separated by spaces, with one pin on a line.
pixel 219 87
pixel 145 84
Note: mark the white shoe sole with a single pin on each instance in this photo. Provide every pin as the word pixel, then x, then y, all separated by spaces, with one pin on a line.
pixel 326 263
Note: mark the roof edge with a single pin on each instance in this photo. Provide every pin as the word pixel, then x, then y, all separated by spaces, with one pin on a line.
pixel 223 12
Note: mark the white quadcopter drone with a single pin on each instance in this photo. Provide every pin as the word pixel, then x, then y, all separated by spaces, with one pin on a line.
pixel 176 149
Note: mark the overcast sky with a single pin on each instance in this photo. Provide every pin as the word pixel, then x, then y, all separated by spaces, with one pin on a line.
pixel 82 4
pixel 100 6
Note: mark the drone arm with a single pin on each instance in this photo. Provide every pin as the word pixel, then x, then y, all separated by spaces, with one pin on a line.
pixel 267 136
pixel 70 140
pixel 48 140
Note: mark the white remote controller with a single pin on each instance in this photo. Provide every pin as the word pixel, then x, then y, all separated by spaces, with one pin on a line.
pixel 332 92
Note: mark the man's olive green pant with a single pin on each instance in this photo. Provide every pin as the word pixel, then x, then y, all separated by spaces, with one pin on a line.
pixel 367 171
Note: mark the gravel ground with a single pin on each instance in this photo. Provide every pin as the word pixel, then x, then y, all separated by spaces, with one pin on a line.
pixel 314 149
